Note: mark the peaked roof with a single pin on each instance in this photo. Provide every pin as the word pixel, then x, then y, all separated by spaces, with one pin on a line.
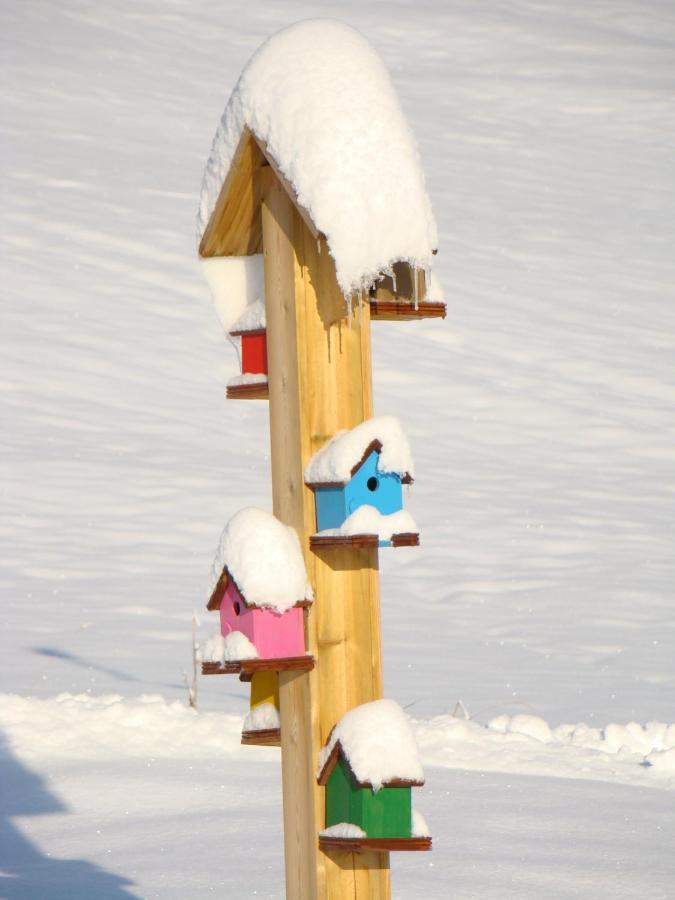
pixel 377 743
pixel 340 459
pixel 216 597
pixel 262 556
pixel 316 105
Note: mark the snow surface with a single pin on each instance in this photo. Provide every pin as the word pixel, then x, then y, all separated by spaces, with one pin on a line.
pixel 261 718
pixel 264 558
pixel 377 740
pixel 369 520
pixel 237 285
pixel 540 413
pixel 320 97
pixel 334 462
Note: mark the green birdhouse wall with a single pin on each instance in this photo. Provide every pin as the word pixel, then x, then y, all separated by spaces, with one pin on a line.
pixel 386 813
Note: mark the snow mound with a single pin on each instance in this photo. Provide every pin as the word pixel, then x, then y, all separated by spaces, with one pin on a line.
pixel 524 744
pixel 264 558
pixel 320 98
pixel 343 830
pixel 663 761
pixel 419 825
pixel 262 718
pixel 252 319
pixel 333 464
pixel 378 742
pixel 81 726
pixel 368 520
pixel 237 283
pixel 247 378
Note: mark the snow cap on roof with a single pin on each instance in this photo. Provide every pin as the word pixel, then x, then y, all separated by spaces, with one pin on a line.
pixel 252 319
pixel 319 96
pixel 237 283
pixel 263 557
pixel 377 742
pixel 336 462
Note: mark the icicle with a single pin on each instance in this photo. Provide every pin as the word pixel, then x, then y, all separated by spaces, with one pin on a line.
pixel 393 279
pixel 416 287
pixel 318 246
pixel 427 281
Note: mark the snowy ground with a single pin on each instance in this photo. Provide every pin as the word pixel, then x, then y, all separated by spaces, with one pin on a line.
pixel 541 416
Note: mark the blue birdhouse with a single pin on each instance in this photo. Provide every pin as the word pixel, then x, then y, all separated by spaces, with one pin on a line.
pixel 348 477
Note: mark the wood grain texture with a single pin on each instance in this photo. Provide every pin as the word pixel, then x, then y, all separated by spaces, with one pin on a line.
pixel 268 737
pixel 405 310
pixel 251 666
pixel 320 382
pixel 235 226
pixel 359 845
pixel 257 391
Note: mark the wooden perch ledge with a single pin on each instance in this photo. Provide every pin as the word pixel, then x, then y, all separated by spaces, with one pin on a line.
pixel 363 845
pixel 259 390
pixel 250 666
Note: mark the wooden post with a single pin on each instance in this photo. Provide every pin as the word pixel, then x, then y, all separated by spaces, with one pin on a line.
pixel 319 382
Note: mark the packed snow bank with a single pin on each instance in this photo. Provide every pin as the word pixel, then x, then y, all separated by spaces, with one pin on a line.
pixel 333 464
pixel 80 726
pixel 377 740
pixel 237 285
pixel 525 744
pixel 263 557
pixel 320 98
pixel 368 520
pixel 88 727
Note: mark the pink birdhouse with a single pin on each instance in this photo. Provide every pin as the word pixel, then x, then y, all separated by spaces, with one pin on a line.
pixel 273 634
pixel 259 586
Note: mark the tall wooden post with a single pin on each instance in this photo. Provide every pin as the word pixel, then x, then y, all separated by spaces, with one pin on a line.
pixel 319 382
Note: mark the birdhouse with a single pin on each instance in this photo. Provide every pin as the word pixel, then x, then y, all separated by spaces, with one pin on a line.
pixel 260 588
pixel 408 293
pixel 238 290
pixel 262 725
pixel 249 328
pixel 357 480
pixel 369 767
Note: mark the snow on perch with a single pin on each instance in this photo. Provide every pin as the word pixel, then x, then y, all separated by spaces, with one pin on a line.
pixel 357 479
pixel 316 104
pixel 368 767
pixel 259 585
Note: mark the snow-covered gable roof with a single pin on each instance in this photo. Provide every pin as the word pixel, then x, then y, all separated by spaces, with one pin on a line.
pixel 264 559
pixel 346 452
pixel 377 742
pixel 318 98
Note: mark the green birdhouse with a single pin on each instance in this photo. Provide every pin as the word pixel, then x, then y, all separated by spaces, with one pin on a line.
pixel 368 769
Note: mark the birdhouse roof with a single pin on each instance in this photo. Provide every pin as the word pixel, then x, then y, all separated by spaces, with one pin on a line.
pixel 315 101
pixel 263 558
pixel 341 458
pixel 376 741
pixel 252 319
